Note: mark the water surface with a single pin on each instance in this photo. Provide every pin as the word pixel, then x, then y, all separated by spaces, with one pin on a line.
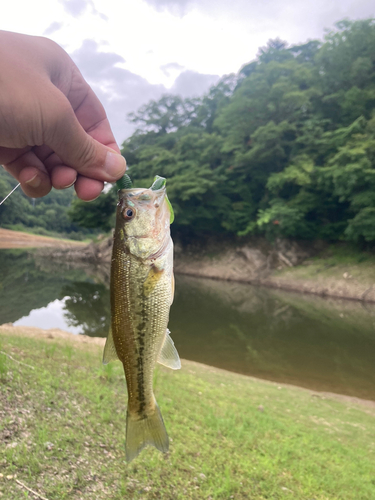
pixel 323 344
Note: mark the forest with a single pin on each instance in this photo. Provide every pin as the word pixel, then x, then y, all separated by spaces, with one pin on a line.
pixel 47 215
pixel 285 148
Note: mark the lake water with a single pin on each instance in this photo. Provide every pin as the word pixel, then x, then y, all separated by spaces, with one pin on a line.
pixel 322 344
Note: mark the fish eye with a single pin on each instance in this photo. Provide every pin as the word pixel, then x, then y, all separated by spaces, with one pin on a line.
pixel 128 213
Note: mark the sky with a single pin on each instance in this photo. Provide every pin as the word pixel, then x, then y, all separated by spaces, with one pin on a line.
pixel 133 51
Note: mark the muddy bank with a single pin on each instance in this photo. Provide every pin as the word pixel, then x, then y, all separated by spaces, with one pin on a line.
pixel 50 334
pixel 250 265
pixel 17 239
pixel 286 265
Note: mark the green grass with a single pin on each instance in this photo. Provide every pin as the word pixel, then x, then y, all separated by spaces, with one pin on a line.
pixel 333 263
pixel 338 254
pixel 62 433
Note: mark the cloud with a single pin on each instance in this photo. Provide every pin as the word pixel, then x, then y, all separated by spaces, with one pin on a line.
pixel 216 7
pixel 52 28
pixel 122 92
pixel 93 63
pixel 75 7
pixel 119 90
pixel 169 68
pixel 291 20
pixel 176 7
pixel 193 84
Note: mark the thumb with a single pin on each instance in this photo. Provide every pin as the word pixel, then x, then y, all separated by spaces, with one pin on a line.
pixel 78 149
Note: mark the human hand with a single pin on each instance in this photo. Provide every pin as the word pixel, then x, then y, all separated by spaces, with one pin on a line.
pixel 53 129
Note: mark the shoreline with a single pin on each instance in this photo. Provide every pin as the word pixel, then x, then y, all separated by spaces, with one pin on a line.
pixel 367 296
pixel 254 266
pixel 85 342
pixel 286 265
pixel 11 240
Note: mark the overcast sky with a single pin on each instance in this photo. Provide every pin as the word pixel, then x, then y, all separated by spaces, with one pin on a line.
pixel 131 51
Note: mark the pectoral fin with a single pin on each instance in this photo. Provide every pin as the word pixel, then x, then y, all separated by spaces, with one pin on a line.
pixel 109 353
pixel 172 288
pixel 171 218
pixel 168 355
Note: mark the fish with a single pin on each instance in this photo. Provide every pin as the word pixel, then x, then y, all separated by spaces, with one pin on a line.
pixel 142 291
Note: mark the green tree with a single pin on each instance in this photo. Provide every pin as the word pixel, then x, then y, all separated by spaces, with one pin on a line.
pixel 283 148
pixel 98 214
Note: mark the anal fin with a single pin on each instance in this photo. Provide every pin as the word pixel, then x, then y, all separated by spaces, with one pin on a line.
pixel 109 353
pixel 168 354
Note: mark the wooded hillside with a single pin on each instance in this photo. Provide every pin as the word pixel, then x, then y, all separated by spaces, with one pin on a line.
pixel 284 148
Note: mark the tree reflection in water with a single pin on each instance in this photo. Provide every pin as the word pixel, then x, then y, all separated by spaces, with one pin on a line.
pixel 87 305
pixel 309 341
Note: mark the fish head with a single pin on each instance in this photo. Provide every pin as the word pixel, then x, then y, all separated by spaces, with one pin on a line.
pixel 143 219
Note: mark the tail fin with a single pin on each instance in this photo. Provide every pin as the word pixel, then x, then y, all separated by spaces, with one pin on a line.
pixel 139 433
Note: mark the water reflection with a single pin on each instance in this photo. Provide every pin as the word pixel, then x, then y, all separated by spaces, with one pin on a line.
pixel 87 306
pixel 51 316
pixel 305 340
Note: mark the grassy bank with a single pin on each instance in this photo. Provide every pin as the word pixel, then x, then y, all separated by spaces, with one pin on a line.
pixel 63 421
pixel 337 263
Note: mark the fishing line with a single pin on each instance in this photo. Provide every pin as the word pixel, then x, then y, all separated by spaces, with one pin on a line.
pixel 7 196
pixel 123 183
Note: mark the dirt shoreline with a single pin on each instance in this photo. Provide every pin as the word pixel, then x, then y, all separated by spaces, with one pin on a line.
pixel 338 289
pixel 17 239
pixel 85 342
pixel 285 266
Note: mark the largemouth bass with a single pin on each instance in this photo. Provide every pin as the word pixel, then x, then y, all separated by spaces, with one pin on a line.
pixel 142 289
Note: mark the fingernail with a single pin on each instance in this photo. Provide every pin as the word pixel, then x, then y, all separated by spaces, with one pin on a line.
pixel 115 165
pixel 68 185
pixel 92 199
pixel 34 182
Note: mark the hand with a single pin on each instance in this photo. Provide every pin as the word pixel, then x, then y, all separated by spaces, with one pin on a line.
pixel 53 128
